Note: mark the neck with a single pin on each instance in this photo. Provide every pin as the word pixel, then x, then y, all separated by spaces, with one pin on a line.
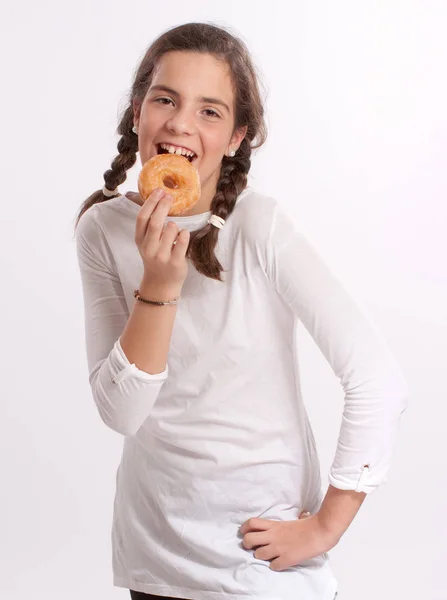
pixel 207 193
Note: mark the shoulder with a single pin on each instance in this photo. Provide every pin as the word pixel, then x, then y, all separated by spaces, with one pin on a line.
pixel 103 219
pixel 87 227
pixel 98 231
pixel 263 220
pixel 254 214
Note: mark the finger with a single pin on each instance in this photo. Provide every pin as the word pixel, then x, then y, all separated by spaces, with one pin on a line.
pixel 254 539
pixel 181 244
pixel 156 224
pixel 305 515
pixel 280 564
pixel 256 524
pixel 265 553
pixel 145 213
pixel 168 239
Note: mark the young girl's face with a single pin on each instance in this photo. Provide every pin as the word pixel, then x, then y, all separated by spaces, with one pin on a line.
pixel 190 104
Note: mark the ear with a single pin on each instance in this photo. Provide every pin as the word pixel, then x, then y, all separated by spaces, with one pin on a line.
pixel 238 136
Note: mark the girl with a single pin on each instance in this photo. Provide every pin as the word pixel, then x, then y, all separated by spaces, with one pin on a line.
pixel 219 460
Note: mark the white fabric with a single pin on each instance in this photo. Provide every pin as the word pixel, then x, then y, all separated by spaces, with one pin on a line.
pixel 222 434
pixel 216 221
pixel 108 192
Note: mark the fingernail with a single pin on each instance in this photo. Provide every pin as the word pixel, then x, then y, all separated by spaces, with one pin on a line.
pixel 159 193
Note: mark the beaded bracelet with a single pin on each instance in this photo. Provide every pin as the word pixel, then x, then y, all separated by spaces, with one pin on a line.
pixel 136 294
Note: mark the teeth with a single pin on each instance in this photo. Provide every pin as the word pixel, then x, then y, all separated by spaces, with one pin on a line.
pixel 177 150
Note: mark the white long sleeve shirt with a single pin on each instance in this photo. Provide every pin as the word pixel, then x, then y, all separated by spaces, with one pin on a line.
pixel 222 434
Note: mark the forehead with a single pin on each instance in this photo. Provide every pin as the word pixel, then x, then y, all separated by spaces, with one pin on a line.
pixel 194 74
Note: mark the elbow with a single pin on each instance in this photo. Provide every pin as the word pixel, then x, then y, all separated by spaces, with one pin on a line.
pixel 387 392
pixel 123 414
pixel 123 407
pixel 119 423
pixel 395 385
pixel 403 392
pixel 396 394
pixel 123 395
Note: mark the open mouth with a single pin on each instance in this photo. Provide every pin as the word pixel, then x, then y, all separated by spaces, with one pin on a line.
pixel 192 158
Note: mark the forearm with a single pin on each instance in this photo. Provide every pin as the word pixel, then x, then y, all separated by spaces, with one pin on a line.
pixel 338 510
pixel 147 335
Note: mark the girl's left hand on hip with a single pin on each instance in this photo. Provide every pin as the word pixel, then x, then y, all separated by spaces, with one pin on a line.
pixel 286 543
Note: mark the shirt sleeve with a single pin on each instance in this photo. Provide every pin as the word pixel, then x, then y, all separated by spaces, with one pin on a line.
pixel 375 391
pixel 124 395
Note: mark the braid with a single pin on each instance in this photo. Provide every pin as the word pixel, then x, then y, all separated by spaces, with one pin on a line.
pixel 232 181
pixel 127 148
pixel 127 155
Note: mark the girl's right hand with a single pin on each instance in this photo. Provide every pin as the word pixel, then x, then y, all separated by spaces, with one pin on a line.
pixel 163 250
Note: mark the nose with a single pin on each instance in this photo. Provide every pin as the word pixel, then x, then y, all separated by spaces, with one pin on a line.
pixel 181 122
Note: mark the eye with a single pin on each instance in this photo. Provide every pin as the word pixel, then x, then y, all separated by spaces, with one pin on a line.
pixel 165 101
pixel 214 113
pixel 160 100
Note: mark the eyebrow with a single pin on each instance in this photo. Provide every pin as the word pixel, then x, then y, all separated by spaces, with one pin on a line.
pixel 205 99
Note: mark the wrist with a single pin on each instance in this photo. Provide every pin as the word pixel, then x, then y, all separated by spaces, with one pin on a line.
pixel 158 293
pixel 329 529
pixel 338 510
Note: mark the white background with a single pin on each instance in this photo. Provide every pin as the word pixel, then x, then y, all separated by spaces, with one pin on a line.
pixel 356 101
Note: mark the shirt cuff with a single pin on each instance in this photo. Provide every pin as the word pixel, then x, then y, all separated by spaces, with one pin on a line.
pixel 366 481
pixel 122 368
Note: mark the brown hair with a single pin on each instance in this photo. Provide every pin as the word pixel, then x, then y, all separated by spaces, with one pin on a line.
pixel 249 111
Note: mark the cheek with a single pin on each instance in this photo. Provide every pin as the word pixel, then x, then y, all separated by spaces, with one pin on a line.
pixel 147 131
pixel 215 142
pixel 151 122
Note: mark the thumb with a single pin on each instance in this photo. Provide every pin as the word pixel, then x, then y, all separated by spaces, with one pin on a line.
pixel 304 514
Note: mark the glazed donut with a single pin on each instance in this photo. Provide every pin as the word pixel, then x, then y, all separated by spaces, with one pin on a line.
pixel 176 176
